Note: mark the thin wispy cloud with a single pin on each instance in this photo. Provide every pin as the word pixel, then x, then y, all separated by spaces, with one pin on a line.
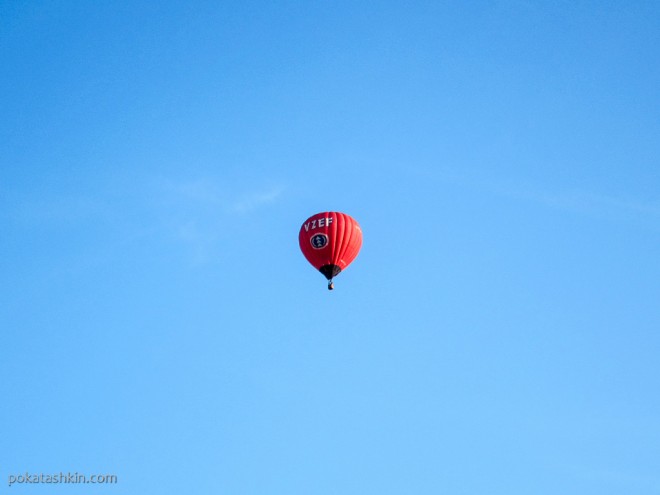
pixel 255 200
pixel 212 193
pixel 198 191
pixel 196 212
pixel 192 213
pixel 573 200
pixel 577 200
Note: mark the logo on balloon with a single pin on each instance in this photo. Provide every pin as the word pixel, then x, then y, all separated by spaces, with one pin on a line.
pixel 319 241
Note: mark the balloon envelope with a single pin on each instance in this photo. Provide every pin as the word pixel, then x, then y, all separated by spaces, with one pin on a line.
pixel 330 241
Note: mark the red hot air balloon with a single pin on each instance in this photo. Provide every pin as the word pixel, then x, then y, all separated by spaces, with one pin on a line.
pixel 330 241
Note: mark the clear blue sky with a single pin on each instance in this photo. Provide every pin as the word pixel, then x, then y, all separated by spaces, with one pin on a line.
pixel 498 333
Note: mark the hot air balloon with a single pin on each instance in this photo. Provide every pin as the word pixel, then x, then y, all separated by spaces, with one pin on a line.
pixel 330 241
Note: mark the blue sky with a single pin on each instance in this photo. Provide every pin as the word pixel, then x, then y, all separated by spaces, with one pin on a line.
pixel 498 332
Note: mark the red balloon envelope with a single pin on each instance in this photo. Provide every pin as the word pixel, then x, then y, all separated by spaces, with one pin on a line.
pixel 330 241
